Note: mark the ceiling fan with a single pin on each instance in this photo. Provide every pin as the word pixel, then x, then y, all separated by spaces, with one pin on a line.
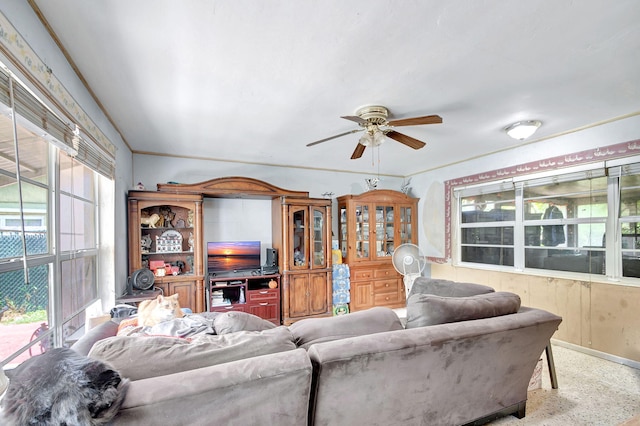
pixel 373 121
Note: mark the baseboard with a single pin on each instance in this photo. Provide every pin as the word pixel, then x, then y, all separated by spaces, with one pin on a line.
pixel 613 358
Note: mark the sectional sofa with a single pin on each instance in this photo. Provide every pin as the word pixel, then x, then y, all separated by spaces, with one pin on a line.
pixel 462 357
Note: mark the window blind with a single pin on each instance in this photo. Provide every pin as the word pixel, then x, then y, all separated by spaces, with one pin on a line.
pixel 35 115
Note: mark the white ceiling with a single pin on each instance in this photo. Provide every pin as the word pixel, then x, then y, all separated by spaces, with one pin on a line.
pixel 256 81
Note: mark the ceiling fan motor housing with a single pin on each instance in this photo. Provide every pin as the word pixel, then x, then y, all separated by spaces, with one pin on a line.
pixel 373 114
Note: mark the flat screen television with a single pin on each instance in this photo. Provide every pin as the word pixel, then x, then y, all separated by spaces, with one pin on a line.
pixel 232 256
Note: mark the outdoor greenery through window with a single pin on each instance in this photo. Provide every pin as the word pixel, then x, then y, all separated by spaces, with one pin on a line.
pixel 559 222
pixel 48 211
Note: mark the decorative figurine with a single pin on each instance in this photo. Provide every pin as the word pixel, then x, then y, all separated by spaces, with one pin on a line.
pixel 405 188
pixel 372 183
pixel 145 243
pixel 166 216
pixel 150 221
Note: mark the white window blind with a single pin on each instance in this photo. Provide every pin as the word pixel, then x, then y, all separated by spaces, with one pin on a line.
pixel 35 116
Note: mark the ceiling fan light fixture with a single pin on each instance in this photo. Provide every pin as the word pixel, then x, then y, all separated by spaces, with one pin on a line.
pixel 366 139
pixel 523 129
pixel 378 138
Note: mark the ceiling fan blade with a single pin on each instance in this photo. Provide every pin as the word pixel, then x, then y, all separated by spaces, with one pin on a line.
pixel 406 140
pixel 427 119
pixel 334 137
pixel 358 151
pixel 354 118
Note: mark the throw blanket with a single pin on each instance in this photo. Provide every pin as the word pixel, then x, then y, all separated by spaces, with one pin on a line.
pixel 187 326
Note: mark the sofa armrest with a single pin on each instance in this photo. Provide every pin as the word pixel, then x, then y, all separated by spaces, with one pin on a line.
pixel 268 389
pixel 102 331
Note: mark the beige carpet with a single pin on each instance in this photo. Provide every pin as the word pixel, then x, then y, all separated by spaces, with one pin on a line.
pixel 592 391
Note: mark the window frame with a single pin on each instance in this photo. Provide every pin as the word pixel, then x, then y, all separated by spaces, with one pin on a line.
pixel 59 326
pixel 613 169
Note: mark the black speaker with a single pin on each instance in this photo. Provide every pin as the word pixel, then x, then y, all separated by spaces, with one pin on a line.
pixel 272 257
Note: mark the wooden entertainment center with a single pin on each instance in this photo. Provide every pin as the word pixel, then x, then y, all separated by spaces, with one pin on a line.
pixel 256 294
pixel 371 225
pixel 301 234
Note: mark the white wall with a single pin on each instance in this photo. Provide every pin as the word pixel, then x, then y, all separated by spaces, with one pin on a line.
pixel 429 186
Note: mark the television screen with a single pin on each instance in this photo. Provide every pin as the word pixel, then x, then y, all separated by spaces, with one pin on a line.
pixel 231 256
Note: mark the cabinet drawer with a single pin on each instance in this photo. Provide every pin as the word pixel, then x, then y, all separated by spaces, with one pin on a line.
pixel 386 286
pixel 385 273
pixel 237 307
pixel 362 274
pixel 384 299
pixel 260 295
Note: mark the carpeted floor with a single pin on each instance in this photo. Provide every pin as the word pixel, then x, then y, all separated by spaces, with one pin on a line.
pixel 591 391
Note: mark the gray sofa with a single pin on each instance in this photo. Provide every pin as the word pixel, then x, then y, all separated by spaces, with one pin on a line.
pixel 360 368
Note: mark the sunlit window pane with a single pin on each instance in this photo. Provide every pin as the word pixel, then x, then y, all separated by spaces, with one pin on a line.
pixel 79 286
pixel 77 225
pixel 75 178
pixel 25 317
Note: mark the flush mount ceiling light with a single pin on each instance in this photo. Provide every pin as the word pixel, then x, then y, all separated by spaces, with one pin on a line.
pixel 522 129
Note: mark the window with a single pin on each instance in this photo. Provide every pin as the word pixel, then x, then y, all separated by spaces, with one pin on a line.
pixel 48 232
pixel 564 224
pixel 558 222
pixel 487 226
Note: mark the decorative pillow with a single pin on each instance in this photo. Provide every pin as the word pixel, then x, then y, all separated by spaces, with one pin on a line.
pixel 306 332
pixel 62 387
pixel 446 288
pixel 428 309
pixel 231 322
pixel 149 356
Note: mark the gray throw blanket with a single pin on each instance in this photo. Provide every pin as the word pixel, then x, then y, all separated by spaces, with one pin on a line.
pixel 187 326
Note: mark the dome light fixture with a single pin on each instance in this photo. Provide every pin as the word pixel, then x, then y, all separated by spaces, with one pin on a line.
pixel 522 129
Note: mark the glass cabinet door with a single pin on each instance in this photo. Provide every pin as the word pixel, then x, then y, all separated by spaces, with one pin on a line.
pixel 405 225
pixel 318 239
pixel 342 233
pixel 299 244
pixel 362 231
pixel 385 231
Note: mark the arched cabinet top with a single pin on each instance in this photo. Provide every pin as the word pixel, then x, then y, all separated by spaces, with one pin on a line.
pixel 379 196
pixel 231 187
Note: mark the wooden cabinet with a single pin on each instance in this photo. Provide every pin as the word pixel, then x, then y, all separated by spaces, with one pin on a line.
pixel 371 226
pixel 252 294
pixel 302 237
pixel 165 235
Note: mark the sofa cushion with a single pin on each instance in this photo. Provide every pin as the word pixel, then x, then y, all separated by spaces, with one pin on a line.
pixel 429 309
pixel 306 332
pixel 99 332
pixel 446 288
pixel 150 356
pixel 231 322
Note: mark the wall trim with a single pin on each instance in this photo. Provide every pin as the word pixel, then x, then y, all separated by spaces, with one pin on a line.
pixel 599 154
pixel 16 49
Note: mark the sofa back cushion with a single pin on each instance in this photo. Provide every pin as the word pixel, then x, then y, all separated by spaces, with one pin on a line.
pixel 231 322
pixel 429 309
pixel 316 330
pixel 447 288
pixel 149 356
